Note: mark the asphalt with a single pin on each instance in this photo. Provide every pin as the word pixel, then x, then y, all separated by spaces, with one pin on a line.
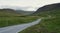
pixel 18 28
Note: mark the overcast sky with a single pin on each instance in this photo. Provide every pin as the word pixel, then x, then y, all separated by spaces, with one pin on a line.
pixel 28 4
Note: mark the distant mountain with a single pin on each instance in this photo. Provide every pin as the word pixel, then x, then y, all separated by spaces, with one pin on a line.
pixel 12 12
pixel 24 12
pixel 48 8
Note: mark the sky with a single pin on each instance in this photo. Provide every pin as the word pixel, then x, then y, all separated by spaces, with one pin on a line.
pixel 29 5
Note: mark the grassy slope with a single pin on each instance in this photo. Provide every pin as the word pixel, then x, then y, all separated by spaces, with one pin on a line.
pixel 47 25
pixel 8 18
pixel 8 13
pixel 7 21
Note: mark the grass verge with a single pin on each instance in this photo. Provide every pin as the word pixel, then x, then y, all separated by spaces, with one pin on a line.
pixel 8 21
pixel 50 24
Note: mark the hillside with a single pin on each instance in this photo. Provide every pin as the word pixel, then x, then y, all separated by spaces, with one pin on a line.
pixel 8 12
pixel 9 17
pixel 50 22
pixel 47 8
pixel 12 12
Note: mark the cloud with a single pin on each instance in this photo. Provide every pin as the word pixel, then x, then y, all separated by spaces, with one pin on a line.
pixel 33 4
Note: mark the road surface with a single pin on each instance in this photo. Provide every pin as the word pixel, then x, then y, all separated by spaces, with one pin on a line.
pixel 18 28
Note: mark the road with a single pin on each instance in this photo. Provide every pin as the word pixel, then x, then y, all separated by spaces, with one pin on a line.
pixel 18 28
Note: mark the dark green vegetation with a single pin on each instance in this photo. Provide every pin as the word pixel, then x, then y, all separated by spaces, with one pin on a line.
pixel 7 21
pixel 12 12
pixel 8 12
pixel 50 22
pixel 9 17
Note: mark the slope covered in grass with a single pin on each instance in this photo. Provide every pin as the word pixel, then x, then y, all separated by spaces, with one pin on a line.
pixel 8 12
pixel 7 21
pixel 9 17
pixel 50 22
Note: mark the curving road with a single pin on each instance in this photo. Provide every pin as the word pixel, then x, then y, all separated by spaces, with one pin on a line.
pixel 18 28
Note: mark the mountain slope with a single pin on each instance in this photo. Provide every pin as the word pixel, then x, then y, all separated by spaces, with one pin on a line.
pixel 50 22
pixel 47 8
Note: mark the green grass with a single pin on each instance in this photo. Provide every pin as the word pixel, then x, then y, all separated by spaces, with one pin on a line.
pixel 10 17
pixel 8 13
pixel 8 21
pixel 47 24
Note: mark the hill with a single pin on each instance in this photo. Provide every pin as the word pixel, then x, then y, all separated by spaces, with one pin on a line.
pixel 12 12
pixel 10 17
pixel 8 12
pixel 50 22
pixel 47 8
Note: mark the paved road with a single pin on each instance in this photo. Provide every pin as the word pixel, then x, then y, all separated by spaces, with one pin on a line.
pixel 18 28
